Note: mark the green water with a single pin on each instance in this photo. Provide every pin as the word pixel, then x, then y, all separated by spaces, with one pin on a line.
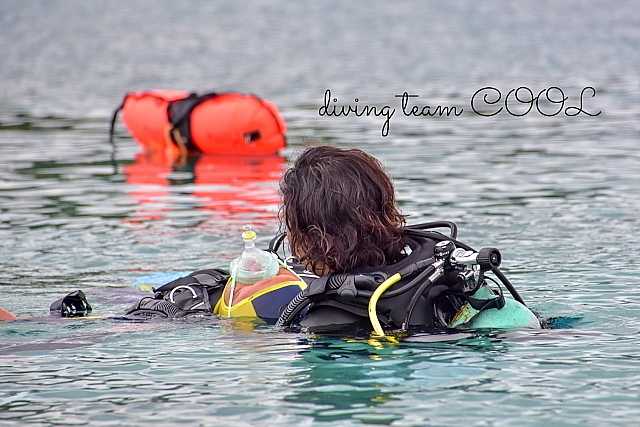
pixel 557 195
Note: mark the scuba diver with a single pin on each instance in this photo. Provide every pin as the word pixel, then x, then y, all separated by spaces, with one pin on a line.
pixel 353 264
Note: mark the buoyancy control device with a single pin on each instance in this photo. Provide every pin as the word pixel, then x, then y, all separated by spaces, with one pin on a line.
pixel 194 295
pixel 441 283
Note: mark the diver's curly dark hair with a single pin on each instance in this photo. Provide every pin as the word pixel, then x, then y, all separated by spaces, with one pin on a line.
pixel 339 211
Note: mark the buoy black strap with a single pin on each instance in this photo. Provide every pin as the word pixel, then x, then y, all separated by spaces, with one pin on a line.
pixel 114 117
pixel 179 116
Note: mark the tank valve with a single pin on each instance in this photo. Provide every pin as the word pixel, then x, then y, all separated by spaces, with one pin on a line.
pixel 489 258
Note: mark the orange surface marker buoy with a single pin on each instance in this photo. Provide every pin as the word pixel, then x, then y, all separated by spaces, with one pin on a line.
pixel 176 123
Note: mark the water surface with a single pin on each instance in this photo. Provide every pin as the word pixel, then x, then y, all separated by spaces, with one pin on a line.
pixel 558 195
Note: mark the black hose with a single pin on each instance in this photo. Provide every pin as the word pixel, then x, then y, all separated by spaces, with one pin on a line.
pixel 416 296
pixel 410 285
pixel 297 304
pixel 276 242
pixel 414 301
pixel 437 224
pixel 508 285
pixel 430 303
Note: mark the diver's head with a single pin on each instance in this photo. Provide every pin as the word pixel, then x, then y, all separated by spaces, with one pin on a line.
pixel 339 211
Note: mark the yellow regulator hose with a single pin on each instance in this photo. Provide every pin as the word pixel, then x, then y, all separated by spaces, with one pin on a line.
pixel 373 315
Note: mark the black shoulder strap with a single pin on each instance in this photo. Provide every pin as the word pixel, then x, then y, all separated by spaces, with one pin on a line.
pixel 179 114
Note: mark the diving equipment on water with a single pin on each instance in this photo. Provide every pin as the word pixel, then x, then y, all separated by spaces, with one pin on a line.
pixel 438 279
pixel 254 264
pixel 74 304
pixel 511 314
pixel 266 304
pixel 441 283
pixel 195 294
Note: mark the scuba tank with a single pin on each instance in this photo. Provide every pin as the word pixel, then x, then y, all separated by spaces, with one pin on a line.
pixel 442 283
pixel 512 314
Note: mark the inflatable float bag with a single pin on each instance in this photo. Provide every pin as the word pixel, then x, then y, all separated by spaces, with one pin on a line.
pixel 145 116
pixel 226 123
pixel 229 123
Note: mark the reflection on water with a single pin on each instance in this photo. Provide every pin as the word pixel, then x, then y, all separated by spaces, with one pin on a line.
pixel 229 186
pixel 340 380
pixel 347 379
